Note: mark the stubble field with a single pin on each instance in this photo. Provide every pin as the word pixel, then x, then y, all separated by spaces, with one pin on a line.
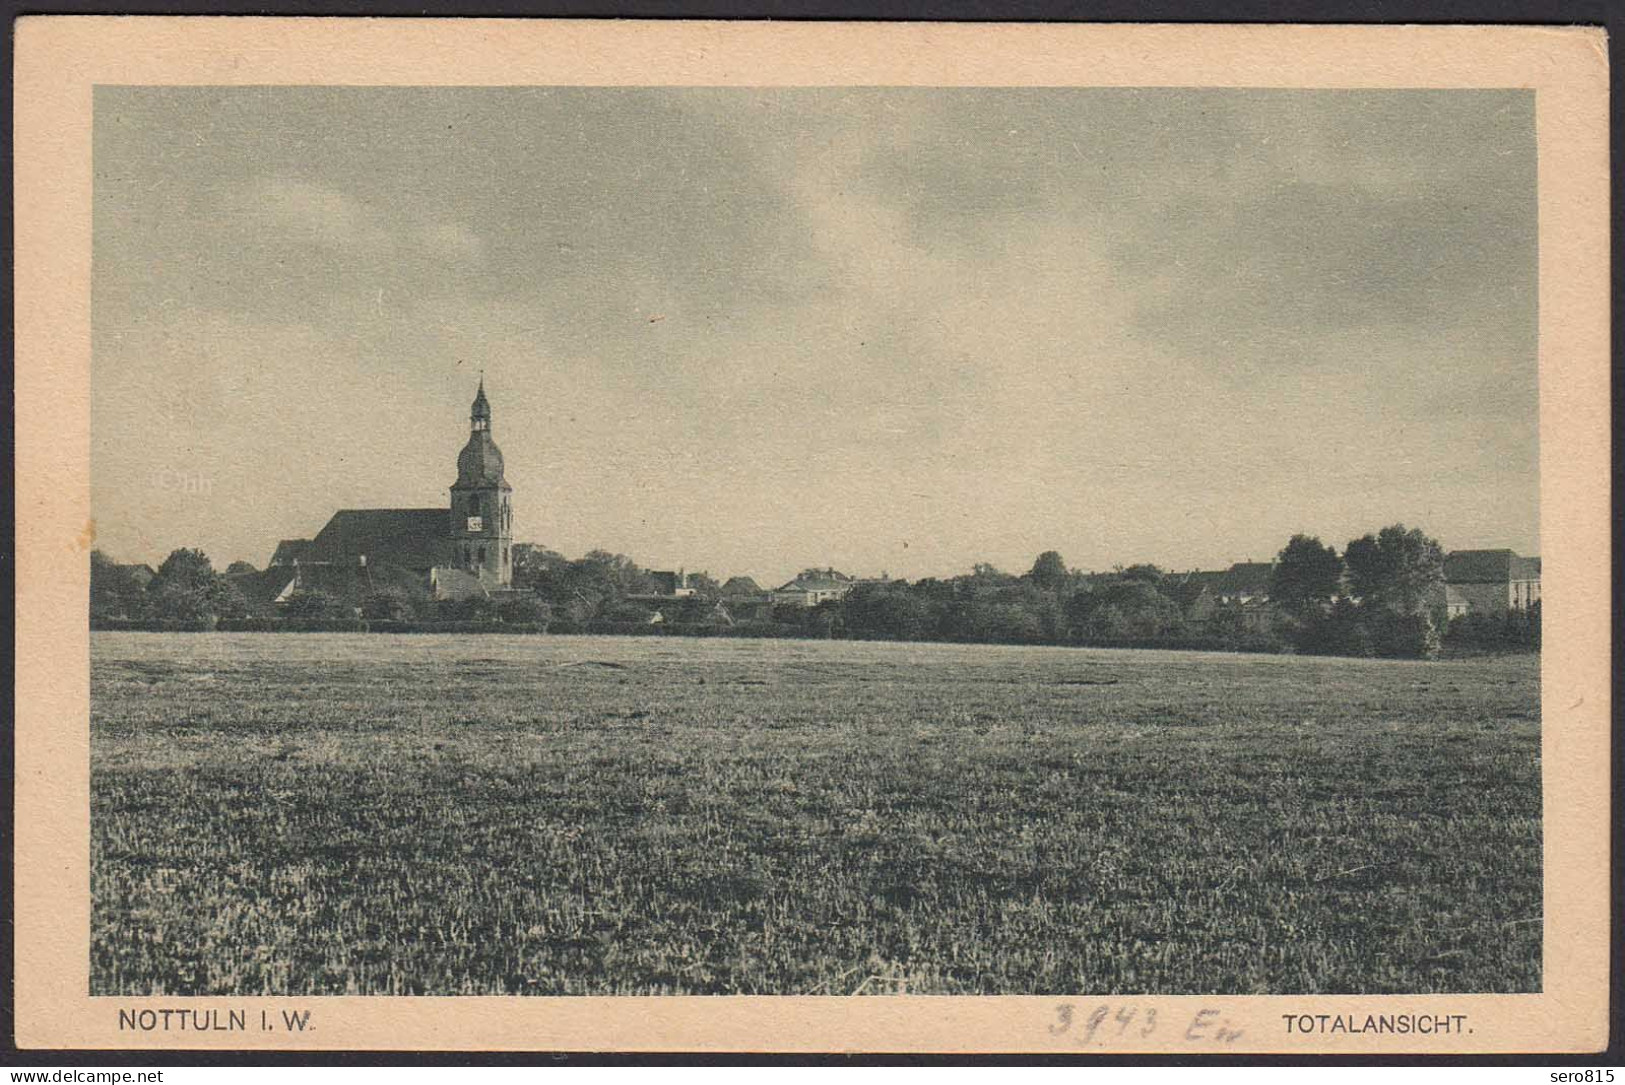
pixel 332 814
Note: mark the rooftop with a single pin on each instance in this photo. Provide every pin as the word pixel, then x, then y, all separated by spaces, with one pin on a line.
pixel 1488 567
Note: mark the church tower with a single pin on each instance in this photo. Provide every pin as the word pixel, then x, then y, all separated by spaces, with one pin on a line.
pixel 481 517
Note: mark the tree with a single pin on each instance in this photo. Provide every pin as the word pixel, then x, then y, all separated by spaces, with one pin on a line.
pixel 1150 574
pixel 522 609
pixel 530 561
pixel 1341 630
pixel 114 593
pixel 186 569
pixel 1397 569
pixel 1363 560
pixel 581 590
pixel 1306 577
pixel 1403 634
pixel 470 608
pixel 825 619
pixel 985 572
pixel 1126 610
pixel 893 612
pixel 617 572
pixel 178 602
pixel 239 568
pixel 1049 571
pixel 225 600
pixel 631 614
pixel 186 588
pixel 992 622
pixel 387 604
pixel 704 585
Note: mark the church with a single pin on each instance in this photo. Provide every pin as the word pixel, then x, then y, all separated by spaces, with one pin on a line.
pixel 459 550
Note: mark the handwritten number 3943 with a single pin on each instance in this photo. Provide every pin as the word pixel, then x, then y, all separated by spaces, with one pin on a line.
pixel 1092 1024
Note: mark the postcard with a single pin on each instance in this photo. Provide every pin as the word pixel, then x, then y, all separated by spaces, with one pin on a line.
pixel 662 536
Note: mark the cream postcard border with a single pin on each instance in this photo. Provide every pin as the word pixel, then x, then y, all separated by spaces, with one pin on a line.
pixel 59 59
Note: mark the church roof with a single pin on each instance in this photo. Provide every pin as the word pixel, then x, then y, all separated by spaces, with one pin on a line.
pixel 480 462
pixel 409 538
pixel 289 551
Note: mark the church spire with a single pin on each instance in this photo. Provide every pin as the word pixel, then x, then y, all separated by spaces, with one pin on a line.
pixel 479 416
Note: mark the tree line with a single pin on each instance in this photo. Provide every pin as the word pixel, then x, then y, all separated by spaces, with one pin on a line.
pixel 185 588
pixel 1383 595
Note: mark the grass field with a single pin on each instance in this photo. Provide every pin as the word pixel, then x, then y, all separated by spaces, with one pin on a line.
pixel 330 814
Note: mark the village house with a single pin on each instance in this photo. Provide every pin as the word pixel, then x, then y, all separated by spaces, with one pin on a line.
pixel 1194 592
pixel 1475 582
pixel 813 586
pixel 676 598
pixel 744 600
pixel 1245 586
pixel 1244 583
pixel 742 587
pixel 1489 582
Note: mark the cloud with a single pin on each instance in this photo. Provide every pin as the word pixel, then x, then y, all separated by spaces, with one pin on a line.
pixel 281 244
pixel 451 240
pixel 1242 226
pixel 759 329
pixel 275 210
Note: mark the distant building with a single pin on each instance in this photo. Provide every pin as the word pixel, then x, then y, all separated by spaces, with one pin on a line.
pixel 1244 588
pixel 446 582
pixel 1245 582
pixel 1475 582
pixel 1489 582
pixel 414 539
pixel 741 587
pixel 348 585
pixel 671 585
pixel 813 586
pixel 743 600
pixel 1196 592
pixel 481 509
pixel 452 552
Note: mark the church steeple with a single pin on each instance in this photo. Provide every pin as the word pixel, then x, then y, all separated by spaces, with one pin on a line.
pixel 481 515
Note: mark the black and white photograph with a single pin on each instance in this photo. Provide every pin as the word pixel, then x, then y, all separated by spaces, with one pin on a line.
pixel 830 540
pixel 599 541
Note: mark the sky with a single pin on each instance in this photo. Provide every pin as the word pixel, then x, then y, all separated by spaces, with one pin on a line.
pixel 750 331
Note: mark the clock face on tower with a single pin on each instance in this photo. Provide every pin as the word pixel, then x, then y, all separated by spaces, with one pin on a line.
pixel 476 523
